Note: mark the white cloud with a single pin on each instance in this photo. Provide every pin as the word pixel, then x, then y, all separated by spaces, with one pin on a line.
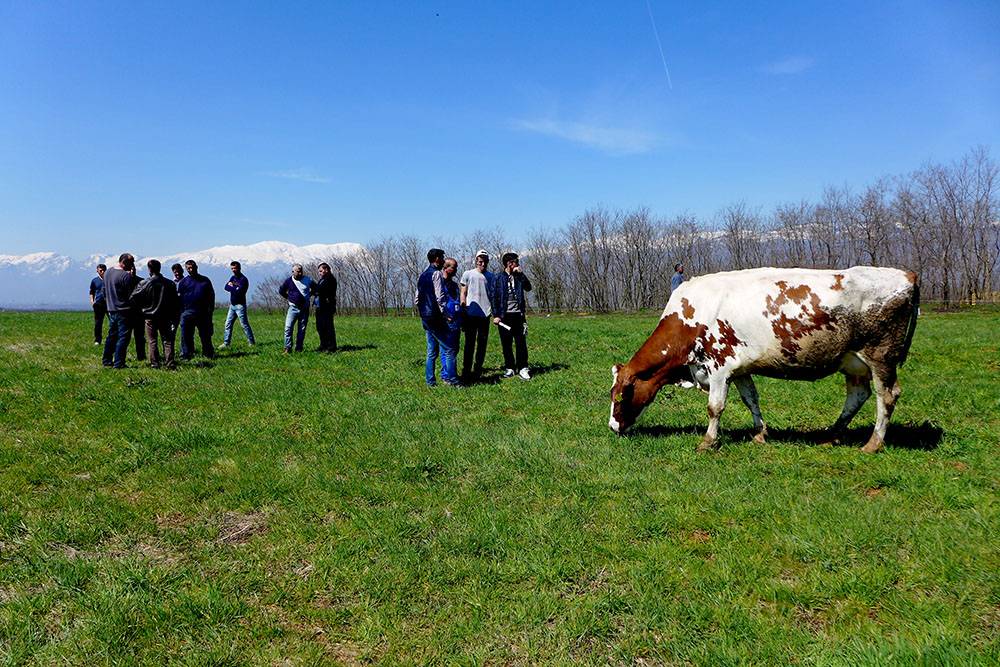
pixel 614 140
pixel 790 65
pixel 301 174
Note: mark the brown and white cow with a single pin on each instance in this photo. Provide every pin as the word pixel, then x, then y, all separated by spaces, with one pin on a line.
pixel 800 324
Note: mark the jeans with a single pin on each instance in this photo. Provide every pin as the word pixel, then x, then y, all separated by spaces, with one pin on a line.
pixel 190 320
pixel 237 310
pixel 517 338
pixel 477 331
pixel 325 329
pixel 119 334
pixel 163 328
pixel 440 340
pixel 100 310
pixel 300 315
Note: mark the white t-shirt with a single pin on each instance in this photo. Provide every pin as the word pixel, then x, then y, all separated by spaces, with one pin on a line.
pixel 477 298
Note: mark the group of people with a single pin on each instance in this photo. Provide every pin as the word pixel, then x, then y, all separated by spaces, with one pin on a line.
pixel 448 308
pixel 153 309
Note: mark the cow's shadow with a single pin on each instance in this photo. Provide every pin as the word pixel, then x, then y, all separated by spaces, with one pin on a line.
pixel 496 376
pixel 925 436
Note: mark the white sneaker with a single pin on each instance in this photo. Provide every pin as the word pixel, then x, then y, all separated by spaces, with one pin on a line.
pixel 509 373
pixel 524 374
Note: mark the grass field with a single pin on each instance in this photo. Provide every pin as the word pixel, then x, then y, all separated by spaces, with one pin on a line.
pixel 262 509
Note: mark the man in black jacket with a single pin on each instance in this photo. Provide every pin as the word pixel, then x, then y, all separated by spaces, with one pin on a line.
pixel 157 298
pixel 509 309
pixel 325 291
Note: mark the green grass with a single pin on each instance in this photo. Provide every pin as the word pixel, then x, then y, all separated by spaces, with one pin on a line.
pixel 310 509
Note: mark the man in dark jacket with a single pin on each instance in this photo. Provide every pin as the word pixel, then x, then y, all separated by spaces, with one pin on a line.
pixel 98 303
pixel 197 303
pixel 237 286
pixel 429 287
pixel 298 290
pixel 509 310
pixel 325 290
pixel 118 285
pixel 157 299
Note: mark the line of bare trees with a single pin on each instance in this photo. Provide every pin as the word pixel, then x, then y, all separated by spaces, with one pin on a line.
pixel 942 221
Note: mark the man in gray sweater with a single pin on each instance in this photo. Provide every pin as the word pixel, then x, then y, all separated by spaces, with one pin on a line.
pixel 118 285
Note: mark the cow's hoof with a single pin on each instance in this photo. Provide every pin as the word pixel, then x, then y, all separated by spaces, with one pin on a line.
pixel 707 445
pixel 873 445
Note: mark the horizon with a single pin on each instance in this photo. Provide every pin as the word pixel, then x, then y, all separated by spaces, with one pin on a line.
pixel 193 126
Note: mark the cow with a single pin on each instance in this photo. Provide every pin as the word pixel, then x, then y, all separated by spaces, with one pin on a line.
pixel 799 324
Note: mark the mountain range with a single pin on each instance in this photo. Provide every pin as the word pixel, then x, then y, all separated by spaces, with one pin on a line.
pixel 47 280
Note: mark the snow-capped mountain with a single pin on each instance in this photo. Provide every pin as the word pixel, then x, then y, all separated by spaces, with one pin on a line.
pixel 47 280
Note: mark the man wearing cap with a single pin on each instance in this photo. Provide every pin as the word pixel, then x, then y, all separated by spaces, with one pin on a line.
pixel 509 310
pixel 476 284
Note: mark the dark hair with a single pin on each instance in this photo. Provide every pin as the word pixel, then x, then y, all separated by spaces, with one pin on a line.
pixel 126 258
pixel 324 264
pixel 236 264
pixel 153 265
pixel 508 257
pixel 102 267
pixel 677 266
pixel 192 263
pixel 176 267
pixel 434 254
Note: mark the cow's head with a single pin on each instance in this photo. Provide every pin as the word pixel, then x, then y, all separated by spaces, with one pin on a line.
pixel 629 395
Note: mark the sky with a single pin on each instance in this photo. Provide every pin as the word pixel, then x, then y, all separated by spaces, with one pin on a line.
pixel 172 126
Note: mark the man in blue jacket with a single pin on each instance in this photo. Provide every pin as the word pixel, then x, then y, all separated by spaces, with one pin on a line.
pixel 98 303
pixel 432 318
pixel 238 286
pixel 197 304
pixel 298 290
pixel 509 310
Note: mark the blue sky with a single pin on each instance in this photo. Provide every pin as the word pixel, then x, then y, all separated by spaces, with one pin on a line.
pixel 171 126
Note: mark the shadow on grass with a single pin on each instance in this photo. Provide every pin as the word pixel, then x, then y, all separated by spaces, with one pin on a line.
pixel 355 348
pixel 236 354
pixel 496 377
pixel 925 436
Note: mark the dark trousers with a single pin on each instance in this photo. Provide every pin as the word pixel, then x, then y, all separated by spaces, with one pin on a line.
pixel 138 325
pixel 163 328
pixel 116 344
pixel 190 320
pixel 100 310
pixel 325 329
pixel 516 338
pixel 477 331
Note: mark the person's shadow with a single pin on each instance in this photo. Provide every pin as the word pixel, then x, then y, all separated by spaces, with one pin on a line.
pixel 496 376
pixel 925 436
pixel 355 348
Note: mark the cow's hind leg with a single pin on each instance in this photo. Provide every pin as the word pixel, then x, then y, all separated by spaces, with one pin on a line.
pixel 857 377
pixel 748 392
pixel 887 391
pixel 717 390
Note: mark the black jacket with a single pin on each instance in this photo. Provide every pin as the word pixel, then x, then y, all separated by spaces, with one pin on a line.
pixel 157 298
pixel 325 291
pixel 498 293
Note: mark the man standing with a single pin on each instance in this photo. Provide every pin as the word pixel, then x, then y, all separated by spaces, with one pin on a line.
pixel 509 309
pixel 98 303
pixel 326 308
pixel 432 317
pixel 447 294
pixel 118 285
pixel 138 325
pixel 157 298
pixel 197 303
pixel 178 272
pixel 237 287
pixel 678 277
pixel 476 284
pixel 297 289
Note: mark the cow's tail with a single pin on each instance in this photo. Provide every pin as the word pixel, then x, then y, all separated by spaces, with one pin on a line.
pixel 912 326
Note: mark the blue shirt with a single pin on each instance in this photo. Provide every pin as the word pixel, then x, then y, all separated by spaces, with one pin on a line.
pixel 97 289
pixel 238 286
pixel 676 281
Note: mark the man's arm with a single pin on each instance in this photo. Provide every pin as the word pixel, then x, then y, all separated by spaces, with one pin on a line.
pixel 333 295
pixel 525 283
pixel 440 293
pixel 464 291
pixel 283 290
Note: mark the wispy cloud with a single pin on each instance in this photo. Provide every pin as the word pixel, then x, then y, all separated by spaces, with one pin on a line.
pixel 301 174
pixel 790 65
pixel 613 140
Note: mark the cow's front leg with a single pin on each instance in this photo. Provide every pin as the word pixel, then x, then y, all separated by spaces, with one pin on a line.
pixel 748 392
pixel 717 390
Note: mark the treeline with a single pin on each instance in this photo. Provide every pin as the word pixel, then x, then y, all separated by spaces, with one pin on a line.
pixel 942 221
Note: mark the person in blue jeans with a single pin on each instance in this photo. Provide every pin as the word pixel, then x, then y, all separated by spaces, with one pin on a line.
pixel 433 321
pixel 238 286
pixel 298 290
pixel 447 293
pixel 118 285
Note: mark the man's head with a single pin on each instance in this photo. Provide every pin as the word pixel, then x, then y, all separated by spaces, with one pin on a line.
pixel 101 268
pixel 679 268
pixel 191 267
pixel 235 267
pixel 153 266
pixel 297 271
pixel 324 270
pixel 435 257
pixel 509 260
pixel 482 260
pixel 126 261
pixel 178 271
pixel 449 267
